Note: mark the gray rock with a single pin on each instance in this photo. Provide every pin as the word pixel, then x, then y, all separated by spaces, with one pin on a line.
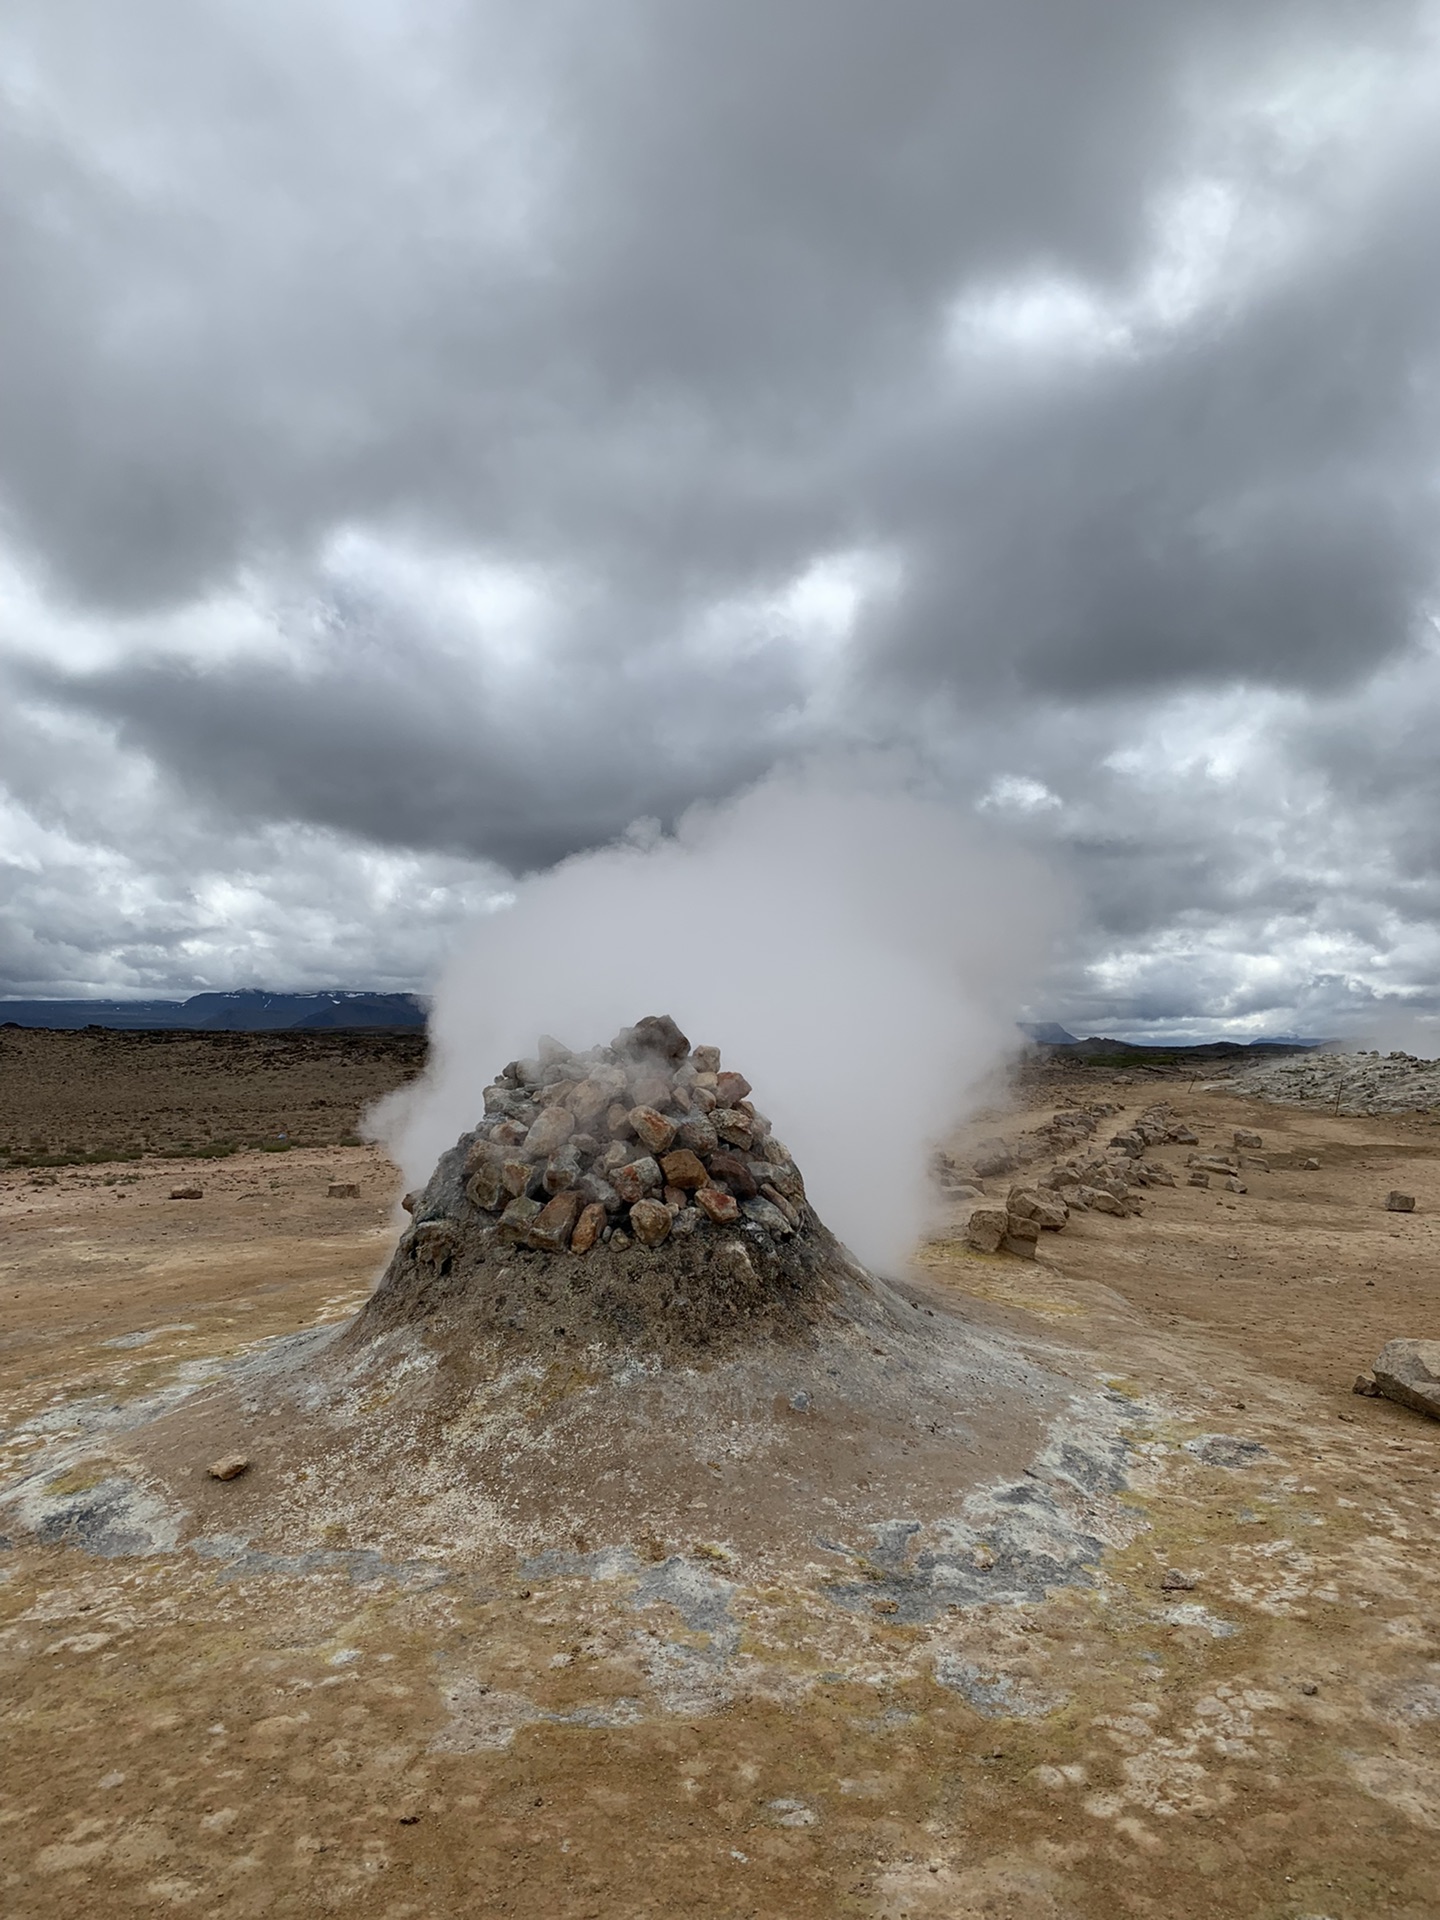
pixel 1397 1202
pixel 985 1229
pixel 767 1215
pixel 549 1133
pixel 1408 1371
pixel 1245 1137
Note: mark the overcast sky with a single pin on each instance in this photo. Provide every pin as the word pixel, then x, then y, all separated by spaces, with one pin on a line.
pixel 432 437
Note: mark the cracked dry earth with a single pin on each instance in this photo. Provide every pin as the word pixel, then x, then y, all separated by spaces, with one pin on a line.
pixel 221 1729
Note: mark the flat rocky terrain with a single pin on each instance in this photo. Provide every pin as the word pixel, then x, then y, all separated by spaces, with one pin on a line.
pixel 1227 1704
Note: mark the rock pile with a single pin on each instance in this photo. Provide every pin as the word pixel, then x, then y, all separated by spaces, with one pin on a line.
pixel 605 1190
pixel 1096 1181
pixel 1347 1082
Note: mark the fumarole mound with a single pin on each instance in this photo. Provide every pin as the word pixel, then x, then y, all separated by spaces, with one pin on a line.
pixel 629 1195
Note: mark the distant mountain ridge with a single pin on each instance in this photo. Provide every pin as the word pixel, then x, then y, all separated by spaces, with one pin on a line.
pixel 249 1010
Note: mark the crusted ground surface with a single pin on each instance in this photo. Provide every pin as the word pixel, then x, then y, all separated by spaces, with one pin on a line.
pixel 1000 1708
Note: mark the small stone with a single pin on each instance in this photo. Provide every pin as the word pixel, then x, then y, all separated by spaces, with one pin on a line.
pixel 732 1088
pixel 519 1217
pixel 657 1133
pixel 786 1177
pixel 562 1171
pixel 657 1033
pixel 652 1089
pixel 409 1201
pixel 733 1126
pixel 1198 1179
pixel 650 1222
pixel 684 1169
pixel 518 1175
pixel 685 1221
pixel 486 1188
pixel 1309 1689
pixel 549 1133
pixel 717 1205
pixel 1366 1386
pixel 706 1059
pixel 588 1101
pixel 229 1466
pixel 778 1200
pixel 509 1133
pixel 698 1135
pixel 637 1179
pixel 1174 1581
pixel 555 1222
pixel 587 1228
pixel 600 1192
pixel 1021 1245
pixel 1244 1137
pixel 617 1121
pixel 765 1214
pixel 1101 1200
pixel 674 1197
pixel 619 1239
pixel 1047 1210
pixel 736 1175
pixel 1232 1185
pixel 1310 1166
pixel 187 1193
pixel 433 1242
pixel 342 1190
pixel 702 1099
pixel 1395 1202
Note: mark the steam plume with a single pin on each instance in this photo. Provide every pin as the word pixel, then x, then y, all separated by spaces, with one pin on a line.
pixel 858 951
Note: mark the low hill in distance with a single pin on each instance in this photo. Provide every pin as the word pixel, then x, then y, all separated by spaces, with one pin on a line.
pixel 247 1011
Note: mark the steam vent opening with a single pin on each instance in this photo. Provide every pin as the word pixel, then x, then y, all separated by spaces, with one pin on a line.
pixel 631 1195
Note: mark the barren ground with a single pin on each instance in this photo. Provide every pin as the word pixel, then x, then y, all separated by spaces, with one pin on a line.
pixel 297 1737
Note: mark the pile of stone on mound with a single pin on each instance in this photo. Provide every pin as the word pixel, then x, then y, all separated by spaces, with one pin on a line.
pixel 607 1188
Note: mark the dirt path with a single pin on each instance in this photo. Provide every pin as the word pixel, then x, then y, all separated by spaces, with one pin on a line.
pixel 251 1735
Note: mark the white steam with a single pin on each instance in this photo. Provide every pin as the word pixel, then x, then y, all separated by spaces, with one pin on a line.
pixel 859 953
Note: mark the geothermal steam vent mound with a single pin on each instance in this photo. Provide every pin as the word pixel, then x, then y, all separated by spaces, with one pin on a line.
pixel 630 1195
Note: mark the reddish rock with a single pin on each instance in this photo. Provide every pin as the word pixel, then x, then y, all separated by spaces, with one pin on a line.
pixel 510 1133
pixel 732 1089
pixel 717 1205
pixel 549 1133
pixel 675 1198
pixel 555 1222
pixel 649 1222
pixel 587 1228
pixel 637 1179
pixel 653 1128
pixel 730 1168
pixel 684 1169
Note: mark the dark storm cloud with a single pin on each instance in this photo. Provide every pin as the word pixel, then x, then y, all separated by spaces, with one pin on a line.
pixel 661 303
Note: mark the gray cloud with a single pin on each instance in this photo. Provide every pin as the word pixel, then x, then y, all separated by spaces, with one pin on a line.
pixel 699 387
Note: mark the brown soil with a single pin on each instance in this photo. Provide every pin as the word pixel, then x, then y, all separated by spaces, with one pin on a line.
pixel 305 1735
pixel 106 1094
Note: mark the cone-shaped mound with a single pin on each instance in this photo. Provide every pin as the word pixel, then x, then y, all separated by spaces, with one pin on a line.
pixel 631 1195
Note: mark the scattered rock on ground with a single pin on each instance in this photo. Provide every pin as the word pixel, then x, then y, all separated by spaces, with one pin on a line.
pixel 1397 1202
pixel 229 1467
pixel 1409 1371
pixel 187 1193
pixel 342 1190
